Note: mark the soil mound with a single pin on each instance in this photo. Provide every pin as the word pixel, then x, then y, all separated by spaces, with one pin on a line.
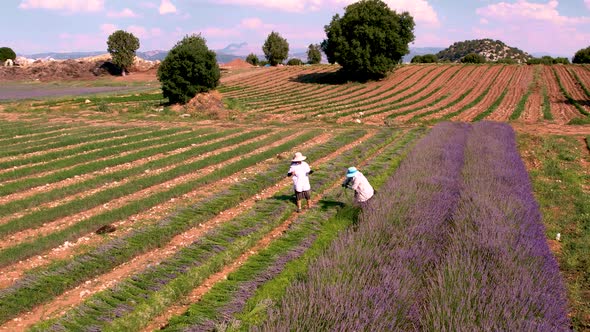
pixel 208 104
pixel 236 63
pixel 85 68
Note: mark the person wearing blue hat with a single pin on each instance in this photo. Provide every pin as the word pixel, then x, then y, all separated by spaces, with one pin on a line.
pixel 355 180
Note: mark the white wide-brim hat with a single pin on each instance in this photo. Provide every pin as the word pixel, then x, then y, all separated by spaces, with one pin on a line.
pixel 299 157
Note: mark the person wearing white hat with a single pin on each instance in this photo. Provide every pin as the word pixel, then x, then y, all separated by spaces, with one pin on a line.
pixel 355 180
pixel 299 172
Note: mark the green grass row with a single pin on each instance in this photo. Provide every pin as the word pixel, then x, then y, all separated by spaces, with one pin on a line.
pixel 29 129
pixel 149 293
pixel 308 236
pixel 523 101
pixel 49 137
pixel 580 82
pixel 111 139
pixel 42 285
pixel 52 141
pixel 137 150
pixel 94 182
pixel 561 187
pixel 46 215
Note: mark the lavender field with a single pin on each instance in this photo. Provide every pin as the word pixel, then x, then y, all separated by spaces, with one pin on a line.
pixel 453 242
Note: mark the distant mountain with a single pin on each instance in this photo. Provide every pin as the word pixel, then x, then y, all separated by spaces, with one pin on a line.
pixel 492 50
pixel 63 56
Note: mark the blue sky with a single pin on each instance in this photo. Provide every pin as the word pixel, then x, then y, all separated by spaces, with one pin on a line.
pixel 556 27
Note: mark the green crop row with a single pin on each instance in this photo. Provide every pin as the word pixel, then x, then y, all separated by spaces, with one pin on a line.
pixel 568 97
pixel 42 285
pixel 38 199
pixel 309 235
pixel 177 276
pixel 165 144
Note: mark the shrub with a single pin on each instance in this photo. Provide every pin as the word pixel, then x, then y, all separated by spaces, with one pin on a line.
pixel 252 59
pixel 275 48
pixel 561 60
pixel 6 53
pixel 294 62
pixel 473 58
pixel 314 54
pixel 582 56
pixel 369 40
pixel 189 68
pixel 426 58
pixel 508 61
pixel 122 46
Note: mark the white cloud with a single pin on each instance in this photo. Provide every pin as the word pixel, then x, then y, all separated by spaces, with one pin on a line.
pixel 421 10
pixel 166 7
pixel 67 5
pixel 254 23
pixel 126 12
pixel 534 27
pixel 483 20
pixel 524 10
pixel 587 2
pixel 108 28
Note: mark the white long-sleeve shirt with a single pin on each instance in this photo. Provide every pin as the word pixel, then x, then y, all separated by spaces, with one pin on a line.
pixel 300 176
pixel 363 191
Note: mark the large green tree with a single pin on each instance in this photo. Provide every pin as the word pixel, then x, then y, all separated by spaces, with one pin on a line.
pixel 189 68
pixel 275 48
pixel 252 59
pixel 122 46
pixel 6 53
pixel 369 40
pixel 582 56
pixel 314 54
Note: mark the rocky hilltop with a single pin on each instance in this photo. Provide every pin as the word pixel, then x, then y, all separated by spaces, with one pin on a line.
pixel 492 50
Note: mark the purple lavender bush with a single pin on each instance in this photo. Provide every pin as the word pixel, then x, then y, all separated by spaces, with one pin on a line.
pixel 498 273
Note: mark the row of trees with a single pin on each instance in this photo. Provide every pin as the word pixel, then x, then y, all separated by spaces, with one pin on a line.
pixel 274 52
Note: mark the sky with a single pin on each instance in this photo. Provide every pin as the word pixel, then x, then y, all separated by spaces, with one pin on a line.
pixel 34 26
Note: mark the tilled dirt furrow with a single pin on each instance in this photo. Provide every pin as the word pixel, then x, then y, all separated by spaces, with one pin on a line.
pixel 392 85
pixel 11 273
pixel 562 111
pixel 369 111
pixel 78 154
pixel 107 170
pixel 77 295
pixel 3 199
pixel 459 84
pixel 508 75
pixel 70 220
pixel 485 80
pixel 64 148
pixel 519 86
pixel 373 90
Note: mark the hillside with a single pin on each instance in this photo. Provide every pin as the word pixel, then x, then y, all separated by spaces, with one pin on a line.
pixel 492 50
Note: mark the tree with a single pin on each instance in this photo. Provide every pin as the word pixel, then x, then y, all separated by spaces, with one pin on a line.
pixel 122 46
pixel 561 60
pixel 189 68
pixel 369 40
pixel 252 59
pixel 294 62
pixel 473 58
pixel 314 54
pixel 6 53
pixel 426 58
pixel 275 48
pixel 582 56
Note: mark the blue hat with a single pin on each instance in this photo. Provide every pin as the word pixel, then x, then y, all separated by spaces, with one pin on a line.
pixel 351 172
